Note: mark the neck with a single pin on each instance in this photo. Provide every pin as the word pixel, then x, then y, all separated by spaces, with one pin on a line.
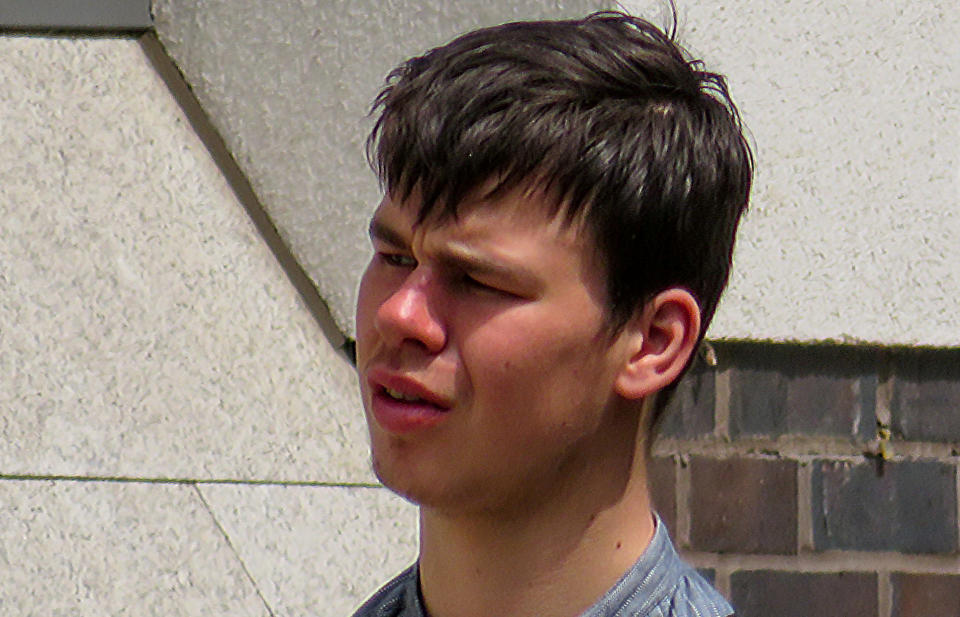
pixel 554 558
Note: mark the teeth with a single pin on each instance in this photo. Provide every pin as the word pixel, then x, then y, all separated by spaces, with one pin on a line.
pixel 400 396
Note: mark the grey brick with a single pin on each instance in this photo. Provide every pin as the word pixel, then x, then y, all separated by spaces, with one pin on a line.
pixel 662 481
pixel 807 389
pixel 926 395
pixel 910 506
pixel 690 413
pixel 709 574
pixel 765 593
pixel 758 392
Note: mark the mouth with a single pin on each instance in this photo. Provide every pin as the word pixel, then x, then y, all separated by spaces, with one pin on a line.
pixel 400 396
pixel 402 406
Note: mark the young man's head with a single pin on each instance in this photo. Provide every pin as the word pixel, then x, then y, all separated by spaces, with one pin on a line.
pixel 562 200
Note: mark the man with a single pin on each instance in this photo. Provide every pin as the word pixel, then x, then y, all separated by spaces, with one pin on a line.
pixel 561 204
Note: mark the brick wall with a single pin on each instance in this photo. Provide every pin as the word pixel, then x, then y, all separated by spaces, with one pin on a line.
pixel 818 480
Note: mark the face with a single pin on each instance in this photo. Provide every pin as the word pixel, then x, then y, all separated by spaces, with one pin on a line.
pixel 485 363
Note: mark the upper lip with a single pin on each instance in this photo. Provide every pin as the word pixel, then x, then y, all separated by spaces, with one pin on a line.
pixel 381 378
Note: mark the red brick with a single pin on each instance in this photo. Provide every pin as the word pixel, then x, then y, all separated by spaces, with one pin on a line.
pixel 743 505
pixel 765 593
pixel 926 595
pixel 662 480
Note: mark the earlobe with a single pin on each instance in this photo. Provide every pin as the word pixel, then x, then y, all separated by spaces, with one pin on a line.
pixel 660 340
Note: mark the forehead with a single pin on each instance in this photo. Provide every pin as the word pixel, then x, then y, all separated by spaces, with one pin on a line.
pixel 524 209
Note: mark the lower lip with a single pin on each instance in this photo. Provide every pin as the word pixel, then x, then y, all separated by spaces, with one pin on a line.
pixel 403 417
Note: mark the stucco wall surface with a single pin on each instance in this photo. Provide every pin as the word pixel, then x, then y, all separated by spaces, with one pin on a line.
pixel 854 232
pixel 288 85
pixel 146 329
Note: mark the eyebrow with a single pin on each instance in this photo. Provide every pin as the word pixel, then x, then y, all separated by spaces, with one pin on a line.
pixel 459 257
pixel 379 230
pixel 462 257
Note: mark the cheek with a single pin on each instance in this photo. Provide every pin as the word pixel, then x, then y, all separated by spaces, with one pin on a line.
pixel 363 295
pixel 534 363
pixel 370 296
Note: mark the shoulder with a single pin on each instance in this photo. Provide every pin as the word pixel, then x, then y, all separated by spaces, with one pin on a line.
pixel 660 584
pixel 392 599
pixel 691 596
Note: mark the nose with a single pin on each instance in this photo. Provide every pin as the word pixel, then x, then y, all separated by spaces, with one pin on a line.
pixel 409 314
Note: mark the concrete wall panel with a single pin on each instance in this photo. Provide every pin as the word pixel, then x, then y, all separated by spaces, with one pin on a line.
pixel 316 550
pixel 852 109
pixel 854 234
pixel 112 548
pixel 146 329
pixel 288 85
pixel 96 15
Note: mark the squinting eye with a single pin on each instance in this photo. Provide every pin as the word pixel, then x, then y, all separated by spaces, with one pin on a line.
pixel 469 281
pixel 398 260
pixel 478 286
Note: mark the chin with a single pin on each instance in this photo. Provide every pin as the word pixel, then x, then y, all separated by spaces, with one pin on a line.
pixel 401 476
pixel 432 491
pixel 402 467
pixel 386 477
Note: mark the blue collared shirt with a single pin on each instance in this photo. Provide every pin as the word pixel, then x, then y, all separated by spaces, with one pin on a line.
pixel 658 585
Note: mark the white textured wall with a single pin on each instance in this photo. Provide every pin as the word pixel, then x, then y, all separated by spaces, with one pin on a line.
pixel 147 329
pixel 854 233
pixel 288 85
pixel 157 366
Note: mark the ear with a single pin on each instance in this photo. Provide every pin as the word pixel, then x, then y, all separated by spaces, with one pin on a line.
pixel 660 339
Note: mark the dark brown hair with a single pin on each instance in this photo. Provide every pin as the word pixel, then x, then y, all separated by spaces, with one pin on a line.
pixel 607 113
